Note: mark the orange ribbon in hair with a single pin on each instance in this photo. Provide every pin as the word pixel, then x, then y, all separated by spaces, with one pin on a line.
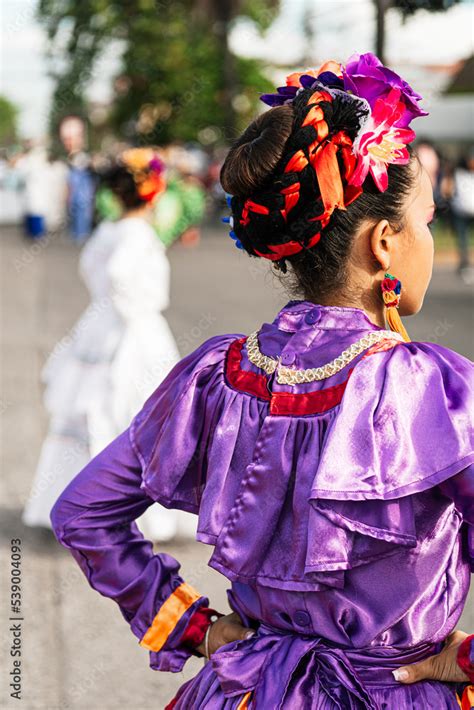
pixel 323 158
pixel 324 161
pixel 292 195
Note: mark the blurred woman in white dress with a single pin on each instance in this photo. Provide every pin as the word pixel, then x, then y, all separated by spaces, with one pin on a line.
pixel 118 352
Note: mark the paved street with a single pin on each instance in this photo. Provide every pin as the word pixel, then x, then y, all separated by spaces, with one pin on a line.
pixel 77 652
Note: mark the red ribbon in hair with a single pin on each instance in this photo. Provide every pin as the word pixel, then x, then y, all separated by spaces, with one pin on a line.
pixel 279 251
pixel 323 158
pixel 292 195
pixel 250 206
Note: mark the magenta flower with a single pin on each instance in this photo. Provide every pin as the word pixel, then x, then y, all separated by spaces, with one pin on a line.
pixel 365 75
pixel 381 141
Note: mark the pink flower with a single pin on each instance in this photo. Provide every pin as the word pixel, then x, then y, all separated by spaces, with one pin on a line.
pixel 380 141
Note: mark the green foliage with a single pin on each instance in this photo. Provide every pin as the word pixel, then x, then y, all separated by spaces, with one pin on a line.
pixel 178 76
pixel 8 121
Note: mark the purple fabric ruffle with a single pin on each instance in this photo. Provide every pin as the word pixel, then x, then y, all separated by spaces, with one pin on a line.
pixel 291 490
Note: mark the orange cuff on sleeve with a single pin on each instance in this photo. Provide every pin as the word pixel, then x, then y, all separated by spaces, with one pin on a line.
pixel 168 616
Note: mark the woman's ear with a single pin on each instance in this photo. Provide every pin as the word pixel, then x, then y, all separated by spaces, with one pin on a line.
pixel 381 241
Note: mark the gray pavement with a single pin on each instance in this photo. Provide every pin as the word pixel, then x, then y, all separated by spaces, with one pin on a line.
pixel 77 652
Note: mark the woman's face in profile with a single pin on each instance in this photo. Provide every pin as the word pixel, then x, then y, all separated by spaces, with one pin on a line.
pixel 414 262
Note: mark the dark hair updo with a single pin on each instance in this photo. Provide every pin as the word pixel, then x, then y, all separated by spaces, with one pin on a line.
pixel 254 169
pixel 120 181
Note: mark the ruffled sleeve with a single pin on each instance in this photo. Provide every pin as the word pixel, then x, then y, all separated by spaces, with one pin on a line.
pixel 405 425
pixel 173 433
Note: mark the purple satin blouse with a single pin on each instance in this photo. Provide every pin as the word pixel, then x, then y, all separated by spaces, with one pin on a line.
pixel 344 524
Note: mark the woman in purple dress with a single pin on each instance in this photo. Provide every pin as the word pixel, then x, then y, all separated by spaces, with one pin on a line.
pixel 327 456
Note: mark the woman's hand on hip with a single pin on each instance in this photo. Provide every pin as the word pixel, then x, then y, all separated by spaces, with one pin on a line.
pixel 224 630
pixel 442 667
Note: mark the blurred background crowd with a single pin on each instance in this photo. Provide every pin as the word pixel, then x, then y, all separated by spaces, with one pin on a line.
pixel 186 76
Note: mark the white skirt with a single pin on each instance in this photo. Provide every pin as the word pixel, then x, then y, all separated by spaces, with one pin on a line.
pixel 96 381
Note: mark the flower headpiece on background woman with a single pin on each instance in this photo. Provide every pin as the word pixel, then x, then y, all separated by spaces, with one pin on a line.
pixel 147 170
pixel 350 120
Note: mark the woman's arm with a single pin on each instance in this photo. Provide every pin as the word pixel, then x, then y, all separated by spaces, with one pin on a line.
pixel 94 518
pixel 465 657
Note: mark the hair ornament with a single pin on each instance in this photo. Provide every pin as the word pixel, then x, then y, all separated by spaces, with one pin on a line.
pixel 391 105
pixel 351 120
pixel 147 170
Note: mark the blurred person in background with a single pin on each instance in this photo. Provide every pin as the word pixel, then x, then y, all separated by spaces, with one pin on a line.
pixel 11 188
pixel 121 348
pixel 181 209
pixel 57 194
pixel 430 160
pixel 213 184
pixel 33 168
pixel 81 196
pixel 82 181
pixel 462 205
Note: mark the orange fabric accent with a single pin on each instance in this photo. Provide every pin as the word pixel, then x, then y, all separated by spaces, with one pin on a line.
pixel 319 96
pixel 292 195
pixel 293 79
pixel 467 700
pixel 168 616
pixel 243 705
pixel 314 115
pixel 322 130
pixel 297 162
pixel 331 65
pixel 348 158
pixel 326 166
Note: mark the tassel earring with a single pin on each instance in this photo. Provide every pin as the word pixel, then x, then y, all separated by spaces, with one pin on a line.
pixel 391 292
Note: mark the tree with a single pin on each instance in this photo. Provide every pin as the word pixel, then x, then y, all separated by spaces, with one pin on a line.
pixel 178 75
pixel 406 8
pixel 8 121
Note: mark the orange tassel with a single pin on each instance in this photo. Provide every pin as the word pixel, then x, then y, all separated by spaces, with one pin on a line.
pixel 395 323
pixel 391 292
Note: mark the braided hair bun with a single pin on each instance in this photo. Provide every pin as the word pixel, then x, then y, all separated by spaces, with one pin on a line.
pixel 280 204
pixel 254 156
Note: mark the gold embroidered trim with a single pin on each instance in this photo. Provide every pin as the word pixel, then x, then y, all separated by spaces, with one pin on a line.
pixel 292 376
